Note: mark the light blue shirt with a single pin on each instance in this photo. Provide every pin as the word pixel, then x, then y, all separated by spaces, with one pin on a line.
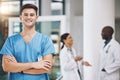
pixel 39 46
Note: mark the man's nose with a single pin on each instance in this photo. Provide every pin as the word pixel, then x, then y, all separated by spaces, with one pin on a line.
pixel 28 16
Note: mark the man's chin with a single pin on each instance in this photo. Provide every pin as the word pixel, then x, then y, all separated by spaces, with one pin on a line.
pixel 29 26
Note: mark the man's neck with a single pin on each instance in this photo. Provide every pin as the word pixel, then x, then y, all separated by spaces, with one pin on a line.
pixel 29 31
pixel 28 34
pixel 107 41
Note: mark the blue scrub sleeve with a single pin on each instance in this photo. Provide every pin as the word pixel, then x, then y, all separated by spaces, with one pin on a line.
pixel 7 47
pixel 48 47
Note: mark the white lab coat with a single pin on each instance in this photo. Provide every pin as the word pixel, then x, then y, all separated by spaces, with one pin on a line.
pixel 110 61
pixel 68 65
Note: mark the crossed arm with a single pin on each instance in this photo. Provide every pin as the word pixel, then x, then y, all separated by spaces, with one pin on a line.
pixel 10 64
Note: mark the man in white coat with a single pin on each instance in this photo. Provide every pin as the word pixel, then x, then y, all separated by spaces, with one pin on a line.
pixel 109 56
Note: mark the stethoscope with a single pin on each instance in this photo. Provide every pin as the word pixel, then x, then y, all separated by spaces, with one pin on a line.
pixel 71 52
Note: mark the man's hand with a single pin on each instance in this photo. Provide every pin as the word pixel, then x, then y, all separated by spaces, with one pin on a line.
pixel 43 64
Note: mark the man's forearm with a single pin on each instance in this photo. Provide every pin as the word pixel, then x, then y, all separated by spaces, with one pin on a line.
pixel 11 65
pixel 15 67
pixel 18 67
pixel 42 70
pixel 45 69
pixel 36 71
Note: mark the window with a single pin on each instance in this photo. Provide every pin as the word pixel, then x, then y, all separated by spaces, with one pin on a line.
pixel 58 7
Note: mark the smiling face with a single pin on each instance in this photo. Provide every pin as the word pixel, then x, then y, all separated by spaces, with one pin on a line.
pixel 28 17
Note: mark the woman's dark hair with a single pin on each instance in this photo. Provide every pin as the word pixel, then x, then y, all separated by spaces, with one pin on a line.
pixel 28 6
pixel 63 37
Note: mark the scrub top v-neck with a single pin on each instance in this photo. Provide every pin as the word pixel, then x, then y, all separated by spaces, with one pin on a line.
pixel 39 46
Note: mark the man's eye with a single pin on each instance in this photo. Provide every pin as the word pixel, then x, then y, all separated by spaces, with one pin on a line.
pixel 31 14
pixel 25 14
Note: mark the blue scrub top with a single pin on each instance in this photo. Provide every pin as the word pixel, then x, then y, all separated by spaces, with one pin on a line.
pixel 39 46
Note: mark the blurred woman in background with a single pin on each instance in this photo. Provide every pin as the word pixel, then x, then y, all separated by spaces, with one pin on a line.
pixel 70 62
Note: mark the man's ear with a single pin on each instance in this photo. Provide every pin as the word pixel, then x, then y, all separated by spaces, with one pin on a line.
pixel 37 17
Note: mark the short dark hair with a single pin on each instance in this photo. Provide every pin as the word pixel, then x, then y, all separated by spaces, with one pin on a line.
pixel 28 6
pixel 109 29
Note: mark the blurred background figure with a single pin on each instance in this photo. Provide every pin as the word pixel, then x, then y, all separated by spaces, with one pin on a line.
pixel 109 56
pixel 70 62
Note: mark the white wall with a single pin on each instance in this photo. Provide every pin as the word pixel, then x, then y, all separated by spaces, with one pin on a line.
pixel 97 14
pixel 77 33
pixel 74 15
